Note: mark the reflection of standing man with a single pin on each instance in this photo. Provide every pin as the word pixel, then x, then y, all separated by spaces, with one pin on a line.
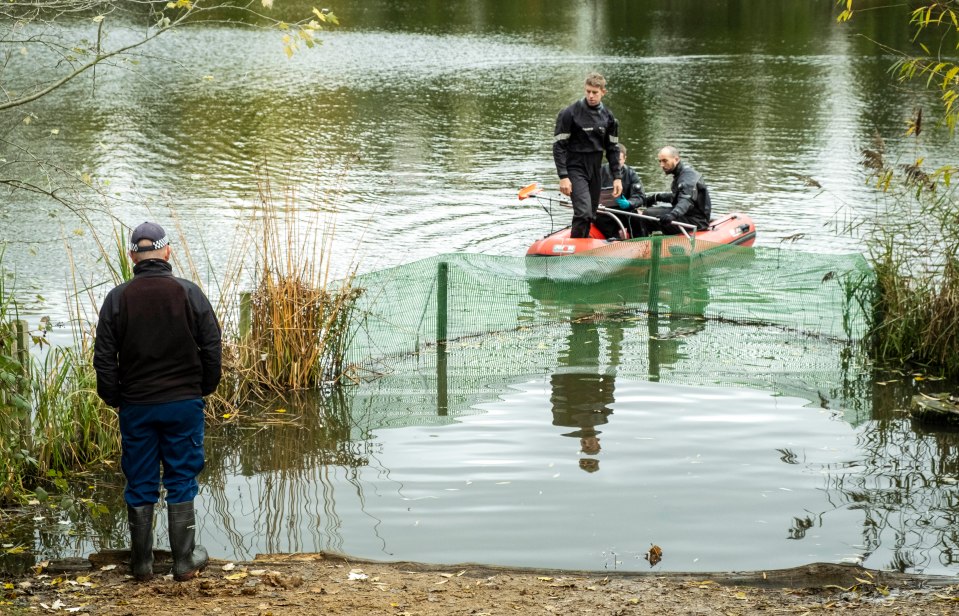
pixel 581 395
pixel 584 131
pixel 157 353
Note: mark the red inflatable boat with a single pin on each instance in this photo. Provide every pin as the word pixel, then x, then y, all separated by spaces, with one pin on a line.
pixel 732 230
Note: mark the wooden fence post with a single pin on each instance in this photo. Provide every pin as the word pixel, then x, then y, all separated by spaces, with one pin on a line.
pixel 442 297
pixel 21 350
pixel 246 314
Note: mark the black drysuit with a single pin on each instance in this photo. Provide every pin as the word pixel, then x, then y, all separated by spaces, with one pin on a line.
pixel 689 198
pixel 582 134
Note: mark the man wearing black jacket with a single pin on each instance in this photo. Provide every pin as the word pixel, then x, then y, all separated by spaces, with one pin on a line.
pixel 584 131
pixel 157 353
pixel 631 199
pixel 688 197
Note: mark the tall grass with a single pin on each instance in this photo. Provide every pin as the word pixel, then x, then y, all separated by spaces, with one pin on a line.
pixel 73 427
pixel 294 325
pixel 913 245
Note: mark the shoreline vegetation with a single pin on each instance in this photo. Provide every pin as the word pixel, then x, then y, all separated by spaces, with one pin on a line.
pixel 287 332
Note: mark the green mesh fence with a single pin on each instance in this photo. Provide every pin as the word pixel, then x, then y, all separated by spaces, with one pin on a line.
pixel 456 296
pixel 778 320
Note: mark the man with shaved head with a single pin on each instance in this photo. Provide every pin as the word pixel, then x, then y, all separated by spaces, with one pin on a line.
pixel 688 199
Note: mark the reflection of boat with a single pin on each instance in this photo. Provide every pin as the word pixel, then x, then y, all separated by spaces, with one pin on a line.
pixel 732 230
pixel 614 284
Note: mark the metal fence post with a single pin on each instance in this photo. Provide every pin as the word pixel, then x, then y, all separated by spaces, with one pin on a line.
pixel 442 307
pixel 655 250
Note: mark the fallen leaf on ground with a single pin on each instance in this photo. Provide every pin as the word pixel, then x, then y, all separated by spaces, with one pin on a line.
pixel 654 555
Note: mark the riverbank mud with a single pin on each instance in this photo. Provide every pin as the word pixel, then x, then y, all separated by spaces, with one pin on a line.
pixel 326 583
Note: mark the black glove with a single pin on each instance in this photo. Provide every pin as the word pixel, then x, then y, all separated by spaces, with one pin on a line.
pixel 666 219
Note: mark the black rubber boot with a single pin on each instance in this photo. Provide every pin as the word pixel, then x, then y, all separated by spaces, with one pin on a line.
pixel 189 559
pixel 141 542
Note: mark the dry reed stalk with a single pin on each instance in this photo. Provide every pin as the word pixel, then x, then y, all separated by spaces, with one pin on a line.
pixel 299 319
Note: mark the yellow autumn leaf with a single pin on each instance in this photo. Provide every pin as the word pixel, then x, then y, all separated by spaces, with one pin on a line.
pixel 545 579
pixel 227 415
pixel 236 576
pixel 740 595
pixel 280 411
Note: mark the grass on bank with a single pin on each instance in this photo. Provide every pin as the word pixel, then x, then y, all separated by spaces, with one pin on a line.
pixel 290 333
pixel 913 245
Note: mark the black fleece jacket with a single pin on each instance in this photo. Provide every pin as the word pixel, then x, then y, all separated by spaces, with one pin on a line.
pixel 158 340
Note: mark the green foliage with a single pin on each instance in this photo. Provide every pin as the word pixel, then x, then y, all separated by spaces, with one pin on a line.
pixel 51 420
pixel 936 38
pixel 73 426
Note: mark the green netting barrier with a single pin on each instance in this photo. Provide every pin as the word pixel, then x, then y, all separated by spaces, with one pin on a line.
pixel 779 320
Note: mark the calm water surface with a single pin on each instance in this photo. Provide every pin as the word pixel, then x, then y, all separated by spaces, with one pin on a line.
pixel 413 128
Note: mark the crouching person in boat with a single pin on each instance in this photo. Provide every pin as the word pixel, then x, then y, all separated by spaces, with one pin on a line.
pixel 631 200
pixel 688 198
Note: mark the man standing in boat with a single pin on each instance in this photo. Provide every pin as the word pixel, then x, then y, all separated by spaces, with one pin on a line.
pixel 584 131
pixel 631 199
pixel 688 198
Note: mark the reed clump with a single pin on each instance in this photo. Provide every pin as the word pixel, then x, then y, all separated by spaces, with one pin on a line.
pixel 913 245
pixel 917 315
pixel 73 427
pixel 294 326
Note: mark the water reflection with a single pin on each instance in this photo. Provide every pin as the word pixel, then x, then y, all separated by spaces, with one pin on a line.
pixel 600 307
pixel 356 472
pixel 288 452
pixel 581 394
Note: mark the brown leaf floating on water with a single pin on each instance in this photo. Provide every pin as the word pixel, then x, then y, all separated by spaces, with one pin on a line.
pixel 654 555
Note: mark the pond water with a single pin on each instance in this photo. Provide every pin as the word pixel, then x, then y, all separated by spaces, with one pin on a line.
pixel 413 126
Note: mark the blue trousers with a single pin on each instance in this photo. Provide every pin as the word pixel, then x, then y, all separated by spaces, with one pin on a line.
pixel 170 434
